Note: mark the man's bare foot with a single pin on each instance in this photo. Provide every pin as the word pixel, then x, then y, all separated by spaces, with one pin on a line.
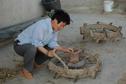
pixel 25 73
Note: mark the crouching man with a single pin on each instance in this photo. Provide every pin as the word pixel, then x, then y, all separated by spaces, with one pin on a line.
pixel 38 42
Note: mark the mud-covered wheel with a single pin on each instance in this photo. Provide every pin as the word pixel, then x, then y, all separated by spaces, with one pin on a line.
pixel 90 67
pixel 101 32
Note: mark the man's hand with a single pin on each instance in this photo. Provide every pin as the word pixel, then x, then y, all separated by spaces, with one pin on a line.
pixel 51 53
pixel 69 50
pixel 66 50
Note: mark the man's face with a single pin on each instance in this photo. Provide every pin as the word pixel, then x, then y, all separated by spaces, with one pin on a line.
pixel 58 26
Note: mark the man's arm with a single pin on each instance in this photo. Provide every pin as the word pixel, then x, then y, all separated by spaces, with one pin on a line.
pixel 49 53
pixel 61 48
pixel 53 42
pixel 43 50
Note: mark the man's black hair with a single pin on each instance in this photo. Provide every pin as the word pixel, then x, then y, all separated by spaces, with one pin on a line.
pixel 61 16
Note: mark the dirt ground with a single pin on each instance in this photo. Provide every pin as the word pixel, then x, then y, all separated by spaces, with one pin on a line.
pixel 112 54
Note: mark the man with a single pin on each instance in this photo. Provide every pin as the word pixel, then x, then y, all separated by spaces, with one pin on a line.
pixel 38 42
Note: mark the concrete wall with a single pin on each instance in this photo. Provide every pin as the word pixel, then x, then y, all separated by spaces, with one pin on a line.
pixel 84 5
pixel 121 5
pixel 17 11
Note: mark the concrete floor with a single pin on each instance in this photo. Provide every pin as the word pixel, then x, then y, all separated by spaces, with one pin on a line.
pixel 112 54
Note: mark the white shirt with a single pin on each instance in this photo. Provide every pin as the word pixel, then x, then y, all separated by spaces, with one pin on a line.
pixel 39 34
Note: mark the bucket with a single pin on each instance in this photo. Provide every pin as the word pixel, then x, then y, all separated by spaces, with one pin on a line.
pixel 108 5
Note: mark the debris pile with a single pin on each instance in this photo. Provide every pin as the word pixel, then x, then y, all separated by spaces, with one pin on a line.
pixel 6 73
pixel 101 32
